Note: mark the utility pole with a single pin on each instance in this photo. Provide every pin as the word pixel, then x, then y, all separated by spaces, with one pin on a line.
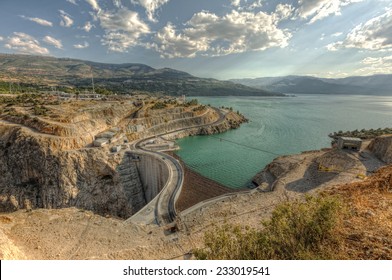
pixel 92 80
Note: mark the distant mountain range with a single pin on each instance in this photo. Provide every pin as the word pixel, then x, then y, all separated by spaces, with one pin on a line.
pixel 369 85
pixel 40 71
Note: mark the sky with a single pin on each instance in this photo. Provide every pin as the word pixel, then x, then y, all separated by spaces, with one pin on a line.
pixel 223 39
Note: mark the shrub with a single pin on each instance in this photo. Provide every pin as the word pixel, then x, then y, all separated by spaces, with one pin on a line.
pixel 158 105
pixel 296 230
pixel 40 110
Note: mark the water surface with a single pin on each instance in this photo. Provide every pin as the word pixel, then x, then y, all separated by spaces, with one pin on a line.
pixel 278 126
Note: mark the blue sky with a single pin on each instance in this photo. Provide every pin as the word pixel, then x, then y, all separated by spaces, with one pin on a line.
pixel 220 39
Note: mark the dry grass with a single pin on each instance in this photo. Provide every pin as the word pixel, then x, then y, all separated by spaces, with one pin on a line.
pixel 352 221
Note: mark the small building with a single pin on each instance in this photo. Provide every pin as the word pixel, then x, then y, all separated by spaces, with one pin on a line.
pixel 100 142
pixel 115 149
pixel 349 143
pixel 106 134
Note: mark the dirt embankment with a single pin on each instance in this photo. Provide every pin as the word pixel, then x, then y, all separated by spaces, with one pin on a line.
pixel 367 229
pixel 382 147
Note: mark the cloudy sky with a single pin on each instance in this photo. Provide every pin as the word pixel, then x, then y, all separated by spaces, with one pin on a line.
pixel 209 38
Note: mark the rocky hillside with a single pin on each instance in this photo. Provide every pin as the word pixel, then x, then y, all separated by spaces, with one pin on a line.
pixel 369 85
pixel 47 159
pixel 39 72
pixel 382 147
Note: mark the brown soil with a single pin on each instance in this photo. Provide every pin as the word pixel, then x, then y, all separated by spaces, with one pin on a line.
pixel 367 229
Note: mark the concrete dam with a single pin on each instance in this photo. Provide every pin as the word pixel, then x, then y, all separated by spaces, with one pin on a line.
pixel 143 176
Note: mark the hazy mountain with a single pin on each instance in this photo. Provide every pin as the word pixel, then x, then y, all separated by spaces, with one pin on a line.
pixel 377 84
pixel 50 71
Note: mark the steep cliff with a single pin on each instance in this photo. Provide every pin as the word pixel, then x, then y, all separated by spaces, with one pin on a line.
pixel 35 176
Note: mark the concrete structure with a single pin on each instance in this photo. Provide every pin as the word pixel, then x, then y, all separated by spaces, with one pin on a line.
pixel 161 177
pixel 154 174
pixel 111 136
pixel 115 149
pixel 106 134
pixel 349 143
pixel 100 142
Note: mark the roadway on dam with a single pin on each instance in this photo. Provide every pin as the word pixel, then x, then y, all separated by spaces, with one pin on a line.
pixel 161 210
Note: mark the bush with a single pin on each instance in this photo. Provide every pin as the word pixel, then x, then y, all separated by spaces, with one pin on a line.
pixel 40 110
pixel 296 230
pixel 192 102
pixel 158 105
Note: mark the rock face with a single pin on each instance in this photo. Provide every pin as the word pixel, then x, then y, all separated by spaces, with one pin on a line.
pixel 309 170
pixel 279 166
pixel 60 169
pixel 382 147
pixel 34 176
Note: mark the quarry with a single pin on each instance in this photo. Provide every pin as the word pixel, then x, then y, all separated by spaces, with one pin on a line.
pixel 88 153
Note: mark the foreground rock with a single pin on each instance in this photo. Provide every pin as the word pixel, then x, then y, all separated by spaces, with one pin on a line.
pixel 382 147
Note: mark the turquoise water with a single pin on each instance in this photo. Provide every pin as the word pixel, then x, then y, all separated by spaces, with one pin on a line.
pixel 280 126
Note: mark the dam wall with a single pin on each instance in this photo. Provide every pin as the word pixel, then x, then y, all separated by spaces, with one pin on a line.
pixel 153 174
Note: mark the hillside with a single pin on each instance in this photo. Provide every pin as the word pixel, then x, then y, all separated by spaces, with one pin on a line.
pixel 377 84
pixel 43 72
pixel 71 233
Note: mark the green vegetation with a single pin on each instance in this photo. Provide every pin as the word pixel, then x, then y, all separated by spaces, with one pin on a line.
pixel 199 108
pixel 363 134
pixel 158 105
pixel 40 110
pixel 296 230
pixel 193 102
pixel 104 91
pixel 21 99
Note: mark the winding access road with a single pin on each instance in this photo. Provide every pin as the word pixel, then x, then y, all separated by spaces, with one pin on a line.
pixel 161 210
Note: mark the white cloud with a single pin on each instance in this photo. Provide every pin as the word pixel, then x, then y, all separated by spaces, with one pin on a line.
pixel 94 4
pixel 255 5
pixel 319 9
pixel 88 26
pixel 72 2
pixel 171 45
pixel 117 3
pixel 337 34
pixel 54 42
pixel 40 21
pixel 123 28
pixel 246 5
pixel 375 34
pixel 82 46
pixel 376 65
pixel 66 20
pixel 24 43
pixel 151 6
pixel 209 34
pixel 284 11
pixel 1 38
pixel 235 3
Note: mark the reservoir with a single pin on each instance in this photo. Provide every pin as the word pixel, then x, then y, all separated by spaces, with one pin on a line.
pixel 278 126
